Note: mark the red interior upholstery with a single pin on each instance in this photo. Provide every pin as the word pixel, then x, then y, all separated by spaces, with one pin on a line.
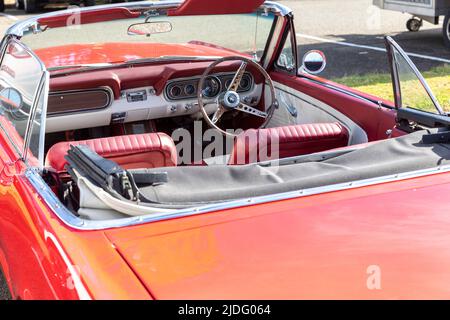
pixel 147 150
pixel 283 142
pixel 375 120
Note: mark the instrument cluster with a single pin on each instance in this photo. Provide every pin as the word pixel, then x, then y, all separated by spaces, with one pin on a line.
pixel 214 85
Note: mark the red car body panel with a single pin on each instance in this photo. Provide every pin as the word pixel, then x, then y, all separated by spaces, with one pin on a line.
pixel 317 246
pixel 313 247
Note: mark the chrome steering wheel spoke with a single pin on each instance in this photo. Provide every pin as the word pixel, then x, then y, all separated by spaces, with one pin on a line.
pixel 218 114
pixel 230 99
pixel 253 111
pixel 234 86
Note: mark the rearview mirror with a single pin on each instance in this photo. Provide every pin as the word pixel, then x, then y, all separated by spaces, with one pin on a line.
pixel 149 28
pixel 314 62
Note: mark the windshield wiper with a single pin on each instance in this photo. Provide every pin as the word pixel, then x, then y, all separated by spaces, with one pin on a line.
pixel 80 66
pixel 171 58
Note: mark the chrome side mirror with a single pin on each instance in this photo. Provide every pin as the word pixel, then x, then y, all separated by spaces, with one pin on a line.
pixel 314 62
pixel 11 99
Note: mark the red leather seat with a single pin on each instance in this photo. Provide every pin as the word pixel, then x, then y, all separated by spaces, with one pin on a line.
pixel 256 145
pixel 149 150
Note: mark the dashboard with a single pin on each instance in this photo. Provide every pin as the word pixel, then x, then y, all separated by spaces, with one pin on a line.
pixel 103 105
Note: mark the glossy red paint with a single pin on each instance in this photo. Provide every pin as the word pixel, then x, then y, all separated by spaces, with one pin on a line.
pixel 120 52
pixel 312 247
pixel 319 246
pixel 209 7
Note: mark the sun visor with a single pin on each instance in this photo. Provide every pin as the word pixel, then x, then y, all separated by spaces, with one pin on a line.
pixel 75 17
pixel 210 7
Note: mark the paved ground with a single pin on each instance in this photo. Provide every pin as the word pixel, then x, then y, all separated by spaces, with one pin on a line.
pixel 4 294
pixel 349 32
pixel 355 24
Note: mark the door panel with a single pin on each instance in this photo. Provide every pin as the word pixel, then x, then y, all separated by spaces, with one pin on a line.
pixel 375 120
pixel 299 108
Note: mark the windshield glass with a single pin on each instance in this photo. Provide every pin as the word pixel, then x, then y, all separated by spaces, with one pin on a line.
pixel 186 36
pixel 20 75
pixel 413 93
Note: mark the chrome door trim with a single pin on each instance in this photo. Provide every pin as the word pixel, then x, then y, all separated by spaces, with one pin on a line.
pixel 70 220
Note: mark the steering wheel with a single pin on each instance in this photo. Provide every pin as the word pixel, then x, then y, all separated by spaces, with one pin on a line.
pixel 230 100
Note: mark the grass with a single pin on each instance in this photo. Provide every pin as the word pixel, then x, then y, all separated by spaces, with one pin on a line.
pixel 380 85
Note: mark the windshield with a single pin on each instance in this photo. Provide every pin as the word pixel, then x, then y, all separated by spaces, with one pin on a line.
pixel 20 76
pixel 185 36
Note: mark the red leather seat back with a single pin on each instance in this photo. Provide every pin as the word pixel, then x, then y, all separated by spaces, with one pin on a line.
pixel 275 143
pixel 149 150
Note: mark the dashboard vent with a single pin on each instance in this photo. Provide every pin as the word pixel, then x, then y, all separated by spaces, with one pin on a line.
pixel 137 96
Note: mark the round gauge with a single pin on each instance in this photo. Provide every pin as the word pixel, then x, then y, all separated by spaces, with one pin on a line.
pixel 211 88
pixel 228 83
pixel 245 84
pixel 175 91
pixel 189 89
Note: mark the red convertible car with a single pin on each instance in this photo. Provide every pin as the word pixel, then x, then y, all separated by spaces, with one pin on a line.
pixel 179 150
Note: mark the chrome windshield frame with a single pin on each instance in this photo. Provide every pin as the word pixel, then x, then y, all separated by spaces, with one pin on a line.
pixel 32 24
pixel 42 88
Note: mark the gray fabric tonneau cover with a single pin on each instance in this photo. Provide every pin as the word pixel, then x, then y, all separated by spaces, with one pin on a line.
pixel 209 184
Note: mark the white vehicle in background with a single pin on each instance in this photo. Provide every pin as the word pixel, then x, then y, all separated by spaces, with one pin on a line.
pixel 428 10
pixel 32 6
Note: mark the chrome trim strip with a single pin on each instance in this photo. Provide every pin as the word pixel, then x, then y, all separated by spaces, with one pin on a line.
pixel 277 7
pixel 32 117
pixel 3 46
pixel 21 27
pixel 273 44
pixel 42 86
pixel 18 29
pixel 72 221
pixel 78 285
pixel 8 39
pixel 43 124
pixel 416 71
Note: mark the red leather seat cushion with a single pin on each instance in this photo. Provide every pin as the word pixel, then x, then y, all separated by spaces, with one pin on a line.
pixel 275 143
pixel 147 150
